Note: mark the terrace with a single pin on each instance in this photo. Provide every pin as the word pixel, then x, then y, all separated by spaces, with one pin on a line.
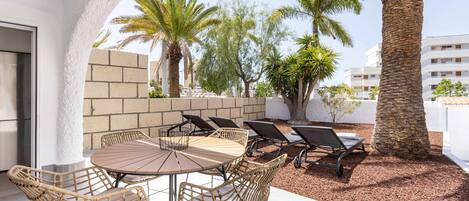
pixel 64 98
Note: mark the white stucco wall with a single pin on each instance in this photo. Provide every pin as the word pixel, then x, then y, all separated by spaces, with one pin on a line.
pixel 365 113
pixel 64 38
pixel 458 129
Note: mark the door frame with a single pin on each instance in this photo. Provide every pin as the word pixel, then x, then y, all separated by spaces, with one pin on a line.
pixel 34 99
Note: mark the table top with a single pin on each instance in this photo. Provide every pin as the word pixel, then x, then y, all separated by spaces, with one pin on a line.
pixel 144 157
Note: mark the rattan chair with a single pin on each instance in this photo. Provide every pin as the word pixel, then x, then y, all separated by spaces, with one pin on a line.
pixel 89 184
pixel 250 181
pixel 238 135
pixel 123 137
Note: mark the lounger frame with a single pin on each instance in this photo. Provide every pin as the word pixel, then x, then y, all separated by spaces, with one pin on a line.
pixel 203 127
pixel 337 150
pixel 276 138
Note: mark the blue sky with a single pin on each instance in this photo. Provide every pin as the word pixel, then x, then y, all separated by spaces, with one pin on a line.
pixel 441 17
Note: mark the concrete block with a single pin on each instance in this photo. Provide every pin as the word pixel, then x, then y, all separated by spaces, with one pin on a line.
pixel 95 124
pixel 123 90
pixel 235 112
pixel 87 107
pixel 252 101
pixel 96 90
pixel 154 131
pixel 172 118
pixel 208 113
pixel 143 90
pixel 239 102
pixel 135 105
pixel 87 141
pixel 99 56
pixel 107 73
pixel 124 121
pixel 192 112
pixel 214 103
pixel 180 104
pixel 107 106
pixel 228 102
pixel 88 74
pixel 97 139
pixel 245 101
pixel 223 113
pixel 127 59
pixel 142 61
pixel 248 109
pixel 150 119
pixel 160 104
pixel 135 75
pixel 198 103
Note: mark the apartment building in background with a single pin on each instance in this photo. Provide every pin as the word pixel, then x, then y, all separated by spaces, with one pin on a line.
pixel 443 57
pixel 364 79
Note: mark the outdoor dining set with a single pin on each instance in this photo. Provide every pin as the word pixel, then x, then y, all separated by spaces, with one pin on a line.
pixel 128 159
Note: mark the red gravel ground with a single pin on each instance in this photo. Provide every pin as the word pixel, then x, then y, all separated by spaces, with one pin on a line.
pixel 372 176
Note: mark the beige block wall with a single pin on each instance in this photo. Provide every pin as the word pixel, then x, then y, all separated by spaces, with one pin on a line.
pixel 116 99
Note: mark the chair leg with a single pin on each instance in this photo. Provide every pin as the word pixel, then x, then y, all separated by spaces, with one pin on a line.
pixel 148 189
pixel 211 181
pixel 363 148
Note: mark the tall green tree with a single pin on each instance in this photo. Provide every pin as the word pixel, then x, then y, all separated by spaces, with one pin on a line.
pixel 320 13
pixel 240 43
pixel 446 88
pixel 296 75
pixel 400 127
pixel 175 22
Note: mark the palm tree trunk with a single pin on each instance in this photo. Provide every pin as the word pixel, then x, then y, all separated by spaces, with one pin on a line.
pixel 175 57
pixel 164 67
pixel 400 120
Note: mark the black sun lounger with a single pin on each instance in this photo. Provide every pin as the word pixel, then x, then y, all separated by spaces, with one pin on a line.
pixel 223 122
pixel 270 133
pixel 325 140
pixel 203 127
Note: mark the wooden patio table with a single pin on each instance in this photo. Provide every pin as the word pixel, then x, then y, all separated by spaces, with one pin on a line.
pixel 144 157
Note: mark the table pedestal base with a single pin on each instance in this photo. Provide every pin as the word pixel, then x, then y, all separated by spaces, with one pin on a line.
pixel 173 187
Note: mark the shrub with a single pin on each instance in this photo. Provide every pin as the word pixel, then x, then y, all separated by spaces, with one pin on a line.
pixel 264 89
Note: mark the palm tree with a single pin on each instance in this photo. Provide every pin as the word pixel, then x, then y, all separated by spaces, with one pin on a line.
pixel 175 22
pixel 400 120
pixel 320 12
pixel 101 38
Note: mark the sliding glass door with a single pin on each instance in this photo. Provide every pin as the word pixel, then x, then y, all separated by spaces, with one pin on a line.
pixel 16 97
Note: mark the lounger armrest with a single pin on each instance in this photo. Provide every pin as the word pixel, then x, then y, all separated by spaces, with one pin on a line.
pixel 135 192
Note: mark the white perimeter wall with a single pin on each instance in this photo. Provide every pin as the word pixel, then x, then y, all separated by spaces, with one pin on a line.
pixel 458 130
pixel 365 113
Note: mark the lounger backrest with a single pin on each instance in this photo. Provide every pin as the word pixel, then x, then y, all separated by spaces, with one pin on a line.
pixel 199 122
pixel 223 122
pixel 266 130
pixel 319 136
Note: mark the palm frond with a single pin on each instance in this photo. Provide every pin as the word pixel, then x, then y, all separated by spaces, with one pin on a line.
pixel 337 31
pixel 289 12
pixel 101 39
pixel 339 6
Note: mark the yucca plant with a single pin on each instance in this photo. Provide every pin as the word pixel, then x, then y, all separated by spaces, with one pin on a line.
pixel 174 22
